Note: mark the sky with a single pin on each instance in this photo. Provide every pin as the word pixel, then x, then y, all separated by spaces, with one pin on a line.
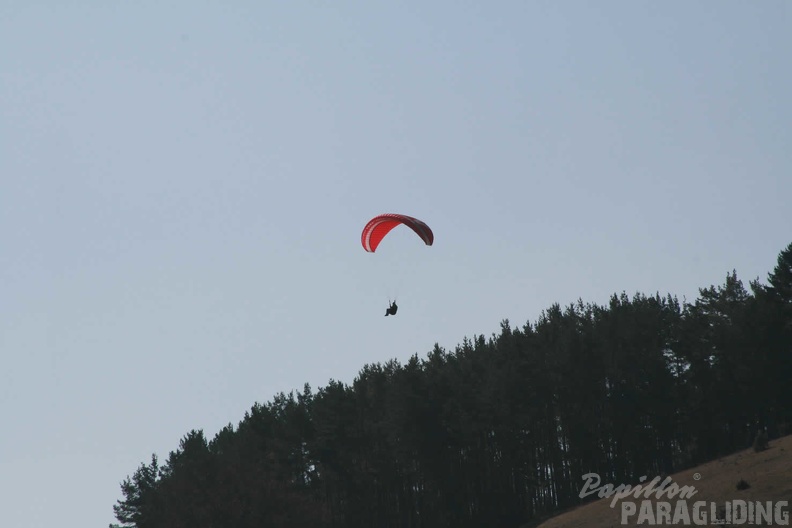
pixel 183 186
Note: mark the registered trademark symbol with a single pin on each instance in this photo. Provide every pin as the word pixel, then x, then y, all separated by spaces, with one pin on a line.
pixel 696 476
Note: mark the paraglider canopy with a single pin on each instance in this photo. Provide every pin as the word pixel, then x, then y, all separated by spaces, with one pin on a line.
pixel 381 225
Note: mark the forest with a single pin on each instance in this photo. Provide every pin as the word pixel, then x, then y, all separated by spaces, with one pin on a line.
pixel 499 431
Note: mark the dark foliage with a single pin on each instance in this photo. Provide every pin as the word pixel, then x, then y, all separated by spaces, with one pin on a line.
pixel 760 442
pixel 499 431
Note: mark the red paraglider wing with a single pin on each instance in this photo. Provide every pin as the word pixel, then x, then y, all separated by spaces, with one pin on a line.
pixel 379 226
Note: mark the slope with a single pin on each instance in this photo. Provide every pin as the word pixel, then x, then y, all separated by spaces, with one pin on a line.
pixel 768 474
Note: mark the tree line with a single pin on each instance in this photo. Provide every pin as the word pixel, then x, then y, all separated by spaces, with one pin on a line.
pixel 499 431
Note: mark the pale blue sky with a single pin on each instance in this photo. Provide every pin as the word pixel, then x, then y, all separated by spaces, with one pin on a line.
pixel 183 186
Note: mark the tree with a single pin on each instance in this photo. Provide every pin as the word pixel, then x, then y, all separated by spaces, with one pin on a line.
pixel 138 509
pixel 780 278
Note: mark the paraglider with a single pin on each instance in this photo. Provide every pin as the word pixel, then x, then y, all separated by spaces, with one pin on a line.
pixel 379 226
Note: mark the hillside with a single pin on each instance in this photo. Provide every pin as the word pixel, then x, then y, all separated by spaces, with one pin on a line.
pixel 497 431
pixel 769 474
